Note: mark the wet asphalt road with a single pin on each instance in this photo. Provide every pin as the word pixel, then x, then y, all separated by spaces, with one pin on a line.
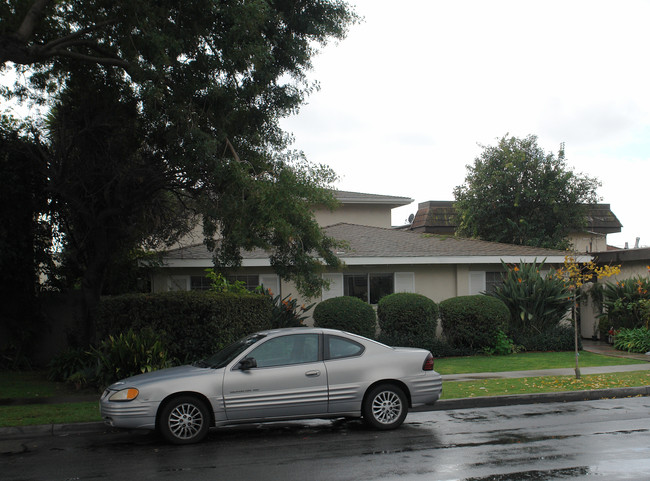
pixel 604 439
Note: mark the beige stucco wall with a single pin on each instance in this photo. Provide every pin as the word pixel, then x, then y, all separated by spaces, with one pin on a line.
pixel 585 242
pixel 361 214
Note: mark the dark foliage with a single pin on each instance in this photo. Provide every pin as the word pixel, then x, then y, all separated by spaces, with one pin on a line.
pixel 408 318
pixel 347 314
pixel 191 325
pixel 473 322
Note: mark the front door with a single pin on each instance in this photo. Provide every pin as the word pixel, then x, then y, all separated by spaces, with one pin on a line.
pixel 289 380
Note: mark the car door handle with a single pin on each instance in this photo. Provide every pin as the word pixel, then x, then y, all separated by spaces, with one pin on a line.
pixel 312 373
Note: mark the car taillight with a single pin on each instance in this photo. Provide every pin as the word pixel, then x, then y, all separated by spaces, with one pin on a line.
pixel 428 363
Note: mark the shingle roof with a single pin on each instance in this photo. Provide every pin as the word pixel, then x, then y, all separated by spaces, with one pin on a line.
pixel 441 217
pixel 364 241
pixel 382 245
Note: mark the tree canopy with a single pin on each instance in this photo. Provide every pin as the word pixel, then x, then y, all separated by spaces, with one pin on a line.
pixel 516 193
pixel 162 112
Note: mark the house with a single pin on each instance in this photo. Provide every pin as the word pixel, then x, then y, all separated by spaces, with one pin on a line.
pixel 378 259
pixel 440 217
pixel 634 262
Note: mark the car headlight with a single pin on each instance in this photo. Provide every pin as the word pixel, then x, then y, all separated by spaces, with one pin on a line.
pixel 125 395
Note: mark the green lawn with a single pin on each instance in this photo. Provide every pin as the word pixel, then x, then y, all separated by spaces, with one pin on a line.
pixel 530 385
pixel 34 414
pixel 526 361
pixel 34 384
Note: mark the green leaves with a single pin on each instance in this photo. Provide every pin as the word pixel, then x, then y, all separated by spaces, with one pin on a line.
pixel 536 302
pixel 633 340
pixel 518 194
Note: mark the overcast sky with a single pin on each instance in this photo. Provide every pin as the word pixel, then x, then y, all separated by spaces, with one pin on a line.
pixel 409 97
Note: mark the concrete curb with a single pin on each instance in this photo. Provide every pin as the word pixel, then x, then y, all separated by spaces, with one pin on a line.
pixel 55 430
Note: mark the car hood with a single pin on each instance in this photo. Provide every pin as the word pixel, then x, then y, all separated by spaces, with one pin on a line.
pixel 180 372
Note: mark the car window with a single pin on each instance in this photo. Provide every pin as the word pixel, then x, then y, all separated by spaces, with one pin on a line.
pixel 340 347
pixel 284 350
pixel 223 357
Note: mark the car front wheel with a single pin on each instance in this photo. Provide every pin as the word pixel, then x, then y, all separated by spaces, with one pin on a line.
pixel 184 420
pixel 385 407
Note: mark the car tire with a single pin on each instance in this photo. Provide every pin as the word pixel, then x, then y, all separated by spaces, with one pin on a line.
pixel 385 407
pixel 184 420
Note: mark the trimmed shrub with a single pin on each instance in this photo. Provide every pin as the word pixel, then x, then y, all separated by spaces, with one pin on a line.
pixel 473 322
pixel 346 313
pixel 191 325
pixel 407 319
pixel 556 338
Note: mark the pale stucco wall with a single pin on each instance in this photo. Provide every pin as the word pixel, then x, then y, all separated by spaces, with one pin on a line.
pixel 584 242
pixel 361 214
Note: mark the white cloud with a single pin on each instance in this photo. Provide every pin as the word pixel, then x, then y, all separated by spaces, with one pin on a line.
pixel 408 96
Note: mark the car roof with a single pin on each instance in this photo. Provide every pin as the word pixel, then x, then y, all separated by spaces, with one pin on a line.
pixel 318 330
pixel 303 329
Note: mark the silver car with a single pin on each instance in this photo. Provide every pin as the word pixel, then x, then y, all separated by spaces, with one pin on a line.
pixel 277 375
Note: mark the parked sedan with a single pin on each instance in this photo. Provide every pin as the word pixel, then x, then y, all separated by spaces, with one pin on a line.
pixel 277 375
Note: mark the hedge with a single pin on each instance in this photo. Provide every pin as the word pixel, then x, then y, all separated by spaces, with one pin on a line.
pixel 473 321
pixel 191 325
pixel 407 319
pixel 346 313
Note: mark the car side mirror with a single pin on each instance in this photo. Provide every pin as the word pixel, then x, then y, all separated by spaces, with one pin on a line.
pixel 247 363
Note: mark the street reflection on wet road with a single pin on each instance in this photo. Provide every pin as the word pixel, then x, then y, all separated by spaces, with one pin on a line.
pixel 606 439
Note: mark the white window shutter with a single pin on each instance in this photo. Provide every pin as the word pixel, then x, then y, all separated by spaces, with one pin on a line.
pixel 476 282
pixel 335 280
pixel 178 283
pixel 270 281
pixel 404 282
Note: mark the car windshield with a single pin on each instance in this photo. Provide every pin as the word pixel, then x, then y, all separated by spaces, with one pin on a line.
pixel 227 354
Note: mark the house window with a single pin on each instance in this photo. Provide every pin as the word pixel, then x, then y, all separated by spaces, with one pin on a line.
pixel 250 281
pixel 368 287
pixel 202 283
pixel 199 283
pixel 492 281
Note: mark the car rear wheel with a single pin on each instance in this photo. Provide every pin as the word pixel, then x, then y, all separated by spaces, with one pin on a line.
pixel 184 420
pixel 385 407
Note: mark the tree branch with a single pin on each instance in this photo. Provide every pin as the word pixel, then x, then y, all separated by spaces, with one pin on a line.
pixel 33 16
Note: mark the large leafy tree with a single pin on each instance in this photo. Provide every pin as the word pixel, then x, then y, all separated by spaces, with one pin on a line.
pixel 24 239
pixel 516 193
pixel 157 104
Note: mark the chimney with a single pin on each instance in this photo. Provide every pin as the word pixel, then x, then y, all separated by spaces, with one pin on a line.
pixel 636 244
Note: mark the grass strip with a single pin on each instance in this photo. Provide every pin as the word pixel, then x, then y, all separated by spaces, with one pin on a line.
pixel 525 361
pixel 532 385
pixel 35 414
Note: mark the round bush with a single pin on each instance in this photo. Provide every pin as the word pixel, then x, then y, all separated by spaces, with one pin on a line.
pixel 347 314
pixel 473 321
pixel 407 319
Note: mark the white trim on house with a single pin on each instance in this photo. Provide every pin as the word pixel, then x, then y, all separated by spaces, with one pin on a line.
pixel 270 281
pixel 404 282
pixel 477 282
pixel 335 289
pixel 420 260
